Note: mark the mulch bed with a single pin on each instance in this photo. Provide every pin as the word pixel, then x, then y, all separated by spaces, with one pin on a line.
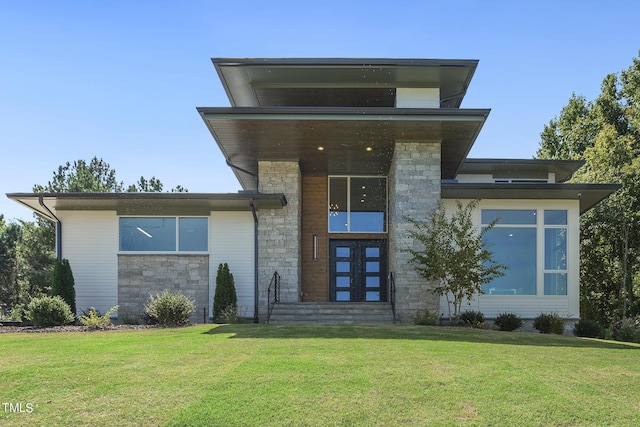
pixel 69 328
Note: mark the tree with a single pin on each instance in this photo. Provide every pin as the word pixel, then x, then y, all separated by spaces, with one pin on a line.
pixel 454 254
pixel 606 134
pixel 9 277
pixel 225 298
pixel 62 283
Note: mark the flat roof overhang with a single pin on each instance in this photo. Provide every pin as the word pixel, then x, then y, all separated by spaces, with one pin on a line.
pixel 522 168
pixel 251 82
pixel 354 141
pixel 588 194
pixel 48 205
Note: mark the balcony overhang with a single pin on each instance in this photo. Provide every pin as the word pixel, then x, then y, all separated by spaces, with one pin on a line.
pixel 349 141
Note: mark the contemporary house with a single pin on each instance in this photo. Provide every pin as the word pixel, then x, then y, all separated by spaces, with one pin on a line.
pixel 333 157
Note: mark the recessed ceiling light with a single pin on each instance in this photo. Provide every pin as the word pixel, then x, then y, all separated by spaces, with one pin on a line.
pixel 320 148
pixel 369 149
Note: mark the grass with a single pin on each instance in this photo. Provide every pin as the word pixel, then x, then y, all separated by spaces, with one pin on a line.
pixel 243 375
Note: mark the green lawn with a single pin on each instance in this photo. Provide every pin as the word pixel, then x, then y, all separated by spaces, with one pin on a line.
pixel 317 376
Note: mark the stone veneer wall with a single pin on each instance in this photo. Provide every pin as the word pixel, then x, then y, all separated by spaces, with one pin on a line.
pixel 279 232
pixel 414 192
pixel 140 275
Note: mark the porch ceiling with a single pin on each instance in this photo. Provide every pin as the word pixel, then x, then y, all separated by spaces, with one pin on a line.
pixel 355 141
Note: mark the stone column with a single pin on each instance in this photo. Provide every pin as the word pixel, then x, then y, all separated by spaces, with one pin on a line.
pixel 414 192
pixel 279 232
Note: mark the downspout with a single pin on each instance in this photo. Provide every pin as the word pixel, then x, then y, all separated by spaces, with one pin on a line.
pixel 255 261
pixel 58 229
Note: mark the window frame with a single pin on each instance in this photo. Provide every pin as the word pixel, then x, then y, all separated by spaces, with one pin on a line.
pixel 385 222
pixel 176 241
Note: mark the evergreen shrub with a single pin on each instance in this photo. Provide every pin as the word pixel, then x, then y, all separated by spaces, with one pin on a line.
pixel 225 298
pixel 425 318
pixel 49 311
pixel 63 283
pixel 508 322
pixel 93 319
pixel 588 328
pixel 549 323
pixel 170 308
pixel 472 318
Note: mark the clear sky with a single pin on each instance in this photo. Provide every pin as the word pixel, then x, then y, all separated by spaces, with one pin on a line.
pixel 120 79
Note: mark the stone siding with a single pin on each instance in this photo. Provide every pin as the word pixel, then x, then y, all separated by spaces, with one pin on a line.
pixel 141 275
pixel 414 192
pixel 279 232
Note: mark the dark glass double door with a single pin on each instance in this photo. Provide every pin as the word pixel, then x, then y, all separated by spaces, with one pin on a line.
pixel 358 270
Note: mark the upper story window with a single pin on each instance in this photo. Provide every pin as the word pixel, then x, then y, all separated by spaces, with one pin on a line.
pixel 164 234
pixel 357 204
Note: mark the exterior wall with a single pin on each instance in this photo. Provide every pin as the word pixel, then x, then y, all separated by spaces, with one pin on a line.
pixel 414 191
pixel 529 306
pixel 418 97
pixel 231 240
pixel 279 232
pixel 141 275
pixel 90 243
pixel 315 274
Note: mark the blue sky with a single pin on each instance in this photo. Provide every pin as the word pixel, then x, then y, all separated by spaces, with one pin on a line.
pixel 120 80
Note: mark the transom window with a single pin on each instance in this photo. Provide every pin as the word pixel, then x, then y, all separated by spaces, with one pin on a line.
pixel 515 240
pixel 164 234
pixel 357 204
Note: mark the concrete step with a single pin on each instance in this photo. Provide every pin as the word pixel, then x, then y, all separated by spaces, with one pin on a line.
pixel 332 313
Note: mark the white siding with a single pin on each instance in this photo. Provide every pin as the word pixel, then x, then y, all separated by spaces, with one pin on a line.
pixel 231 240
pixel 418 97
pixel 90 243
pixel 526 306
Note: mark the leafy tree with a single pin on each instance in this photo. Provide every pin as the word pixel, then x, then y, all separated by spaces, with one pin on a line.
pixel 454 254
pixel 225 295
pixel 62 284
pixel 9 277
pixel 606 134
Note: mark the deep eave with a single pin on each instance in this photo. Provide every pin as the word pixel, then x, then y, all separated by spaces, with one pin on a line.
pixel 587 194
pixel 48 205
pixel 281 81
pixel 522 168
pixel 246 135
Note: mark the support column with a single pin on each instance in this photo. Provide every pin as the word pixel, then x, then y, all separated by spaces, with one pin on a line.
pixel 414 192
pixel 279 232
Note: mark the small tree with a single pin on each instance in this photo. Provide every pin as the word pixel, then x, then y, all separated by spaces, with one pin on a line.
pixel 63 283
pixel 225 298
pixel 454 254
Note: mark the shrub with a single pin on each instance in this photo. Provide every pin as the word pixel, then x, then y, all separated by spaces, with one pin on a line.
pixel 126 317
pixel 93 319
pixel 49 311
pixel 549 323
pixel 63 284
pixel 230 315
pixel 588 328
pixel 425 317
pixel 627 329
pixel 170 308
pixel 508 322
pixel 225 296
pixel 472 318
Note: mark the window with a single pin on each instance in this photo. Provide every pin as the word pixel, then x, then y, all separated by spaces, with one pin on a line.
pixel 555 252
pixel 515 240
pixel 163 234
pixel 357 204
pixel 513 243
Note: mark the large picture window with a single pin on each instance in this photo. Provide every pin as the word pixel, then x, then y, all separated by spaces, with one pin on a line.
pixel 163 234
pixel 357 204
pixel 514 242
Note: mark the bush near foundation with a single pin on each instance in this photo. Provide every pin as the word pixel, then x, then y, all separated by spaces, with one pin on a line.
pixel 549 323
pixel 63 283
pixel 508 322
pixel 472 318
pixel 588 328
pixel 425 318
pixel 225 299
pixel 170 308
pixel 93 319
pixel 49 311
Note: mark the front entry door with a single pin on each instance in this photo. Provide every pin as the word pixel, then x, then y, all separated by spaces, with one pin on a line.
pixel 358 270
